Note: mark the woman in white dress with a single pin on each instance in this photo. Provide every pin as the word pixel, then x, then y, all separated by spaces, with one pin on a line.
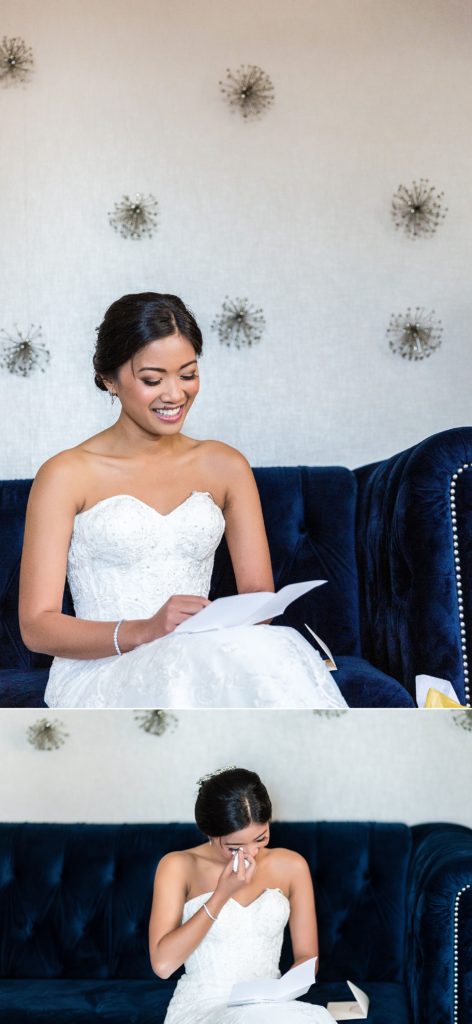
pixel 227 926
pixel 133 516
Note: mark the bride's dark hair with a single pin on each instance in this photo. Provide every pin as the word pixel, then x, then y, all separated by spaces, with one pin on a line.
pixel 132 322
pixel 230 800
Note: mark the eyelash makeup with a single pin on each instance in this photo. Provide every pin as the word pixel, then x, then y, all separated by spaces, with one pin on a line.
pixel 234 849
pixel 154 383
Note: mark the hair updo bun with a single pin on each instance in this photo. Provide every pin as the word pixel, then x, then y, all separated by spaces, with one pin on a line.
pixel 132 322
pixel 230 800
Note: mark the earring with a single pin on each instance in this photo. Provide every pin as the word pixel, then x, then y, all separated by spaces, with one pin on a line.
pixel 112 396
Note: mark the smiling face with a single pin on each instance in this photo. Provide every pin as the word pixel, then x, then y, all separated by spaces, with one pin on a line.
pixel 252 839
pixel 158 385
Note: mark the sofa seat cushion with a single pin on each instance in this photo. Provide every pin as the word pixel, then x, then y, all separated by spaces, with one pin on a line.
pixel 23 688
pixel 360 683
pixel 145 1002
pixel 53 1001
pixel 364 686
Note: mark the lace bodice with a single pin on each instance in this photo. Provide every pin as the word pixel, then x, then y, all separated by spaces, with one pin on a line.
pixel 126 559
pixel 244 943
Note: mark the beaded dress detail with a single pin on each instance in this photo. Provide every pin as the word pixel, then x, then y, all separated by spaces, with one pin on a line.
pixel 244 943
pixel 125 560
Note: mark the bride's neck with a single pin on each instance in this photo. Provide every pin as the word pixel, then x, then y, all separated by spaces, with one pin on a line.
pixel 129 439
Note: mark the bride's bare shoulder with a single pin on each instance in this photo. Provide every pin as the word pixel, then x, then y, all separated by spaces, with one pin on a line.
pixel 70 461
pixel 288 860
pixel 223 456
pixel 178 863
pixel 63 478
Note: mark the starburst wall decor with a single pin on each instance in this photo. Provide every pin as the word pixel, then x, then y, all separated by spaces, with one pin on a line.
pixel 22 353
pixel 248 90
pixel 156 722
pixel 239 324
pixel 16 61
pixel 418 209
pixel 135 218
pixel 414 335
pixel 463 719
pixel 46 734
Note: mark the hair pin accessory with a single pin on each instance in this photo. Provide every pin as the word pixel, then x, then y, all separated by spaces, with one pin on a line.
pixel 212 775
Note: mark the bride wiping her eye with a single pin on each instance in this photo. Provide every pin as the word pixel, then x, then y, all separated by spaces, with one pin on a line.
pixel 132 517
pixel 227 925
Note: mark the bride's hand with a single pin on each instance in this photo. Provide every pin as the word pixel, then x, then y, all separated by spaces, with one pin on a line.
pixel 231 881
pixel 176 609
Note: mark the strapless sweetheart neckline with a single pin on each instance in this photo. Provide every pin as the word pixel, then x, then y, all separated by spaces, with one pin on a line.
pixel 233 900
pixel 125 560
pixel 162 515
pixel 243 944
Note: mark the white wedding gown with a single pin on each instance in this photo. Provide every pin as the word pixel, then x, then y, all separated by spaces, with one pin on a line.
pixel 125 560
pixel 244 943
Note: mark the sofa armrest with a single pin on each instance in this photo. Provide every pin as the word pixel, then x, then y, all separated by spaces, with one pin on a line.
pixel 414 549
pixel 439 925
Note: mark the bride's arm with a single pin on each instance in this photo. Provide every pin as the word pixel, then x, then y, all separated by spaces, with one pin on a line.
pixel 170 941
pixel 53 503
pixel 302 924
pixel 245 531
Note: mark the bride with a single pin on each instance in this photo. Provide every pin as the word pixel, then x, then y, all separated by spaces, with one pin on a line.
pixel 227 926
pixel 133 516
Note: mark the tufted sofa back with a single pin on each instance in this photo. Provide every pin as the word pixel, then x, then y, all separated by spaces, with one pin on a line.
pixel 75 899
pixel 310 520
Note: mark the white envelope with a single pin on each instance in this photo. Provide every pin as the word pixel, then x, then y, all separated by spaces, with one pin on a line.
pixel 245 609
pixel 424 683
pixel 351 1010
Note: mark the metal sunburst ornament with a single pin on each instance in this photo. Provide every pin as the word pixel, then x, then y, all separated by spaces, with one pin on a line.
pixel 22 353
pixel 156 722
pixel 239 324
pixel 16 60
pixel 248 89
pixel 463 719
pixel 330 714
pixel 135 218
pixel 414 335
pixel 46 734
pixel 418 210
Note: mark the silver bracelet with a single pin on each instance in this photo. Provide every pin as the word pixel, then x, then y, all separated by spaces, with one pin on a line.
pixel 209 912
pixel 115 636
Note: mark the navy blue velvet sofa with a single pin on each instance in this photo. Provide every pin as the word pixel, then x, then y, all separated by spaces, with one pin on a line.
pixel 393 539
pixel 394 912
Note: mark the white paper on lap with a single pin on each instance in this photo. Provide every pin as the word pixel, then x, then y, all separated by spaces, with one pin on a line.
pixel 275 990
pixel 245 609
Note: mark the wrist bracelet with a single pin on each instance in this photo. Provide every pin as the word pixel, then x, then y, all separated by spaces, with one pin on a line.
pixel 115 637
pixel 209 912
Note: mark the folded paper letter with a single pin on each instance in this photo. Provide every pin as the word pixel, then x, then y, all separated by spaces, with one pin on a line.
pixel 245 609
pixel 275 990
pixel 351 1010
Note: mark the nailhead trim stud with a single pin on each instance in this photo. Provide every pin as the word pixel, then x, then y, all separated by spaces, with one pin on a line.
pixel 458 574
pixel 456 951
